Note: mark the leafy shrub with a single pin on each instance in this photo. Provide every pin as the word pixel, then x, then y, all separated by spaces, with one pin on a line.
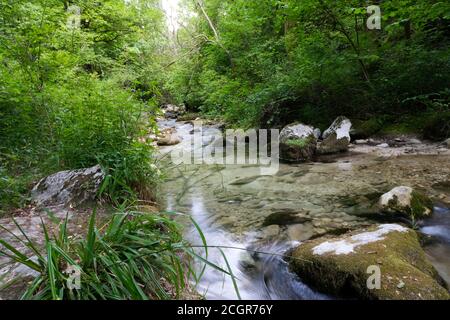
pixel 76 97
pixel 13 191
pixel 275 63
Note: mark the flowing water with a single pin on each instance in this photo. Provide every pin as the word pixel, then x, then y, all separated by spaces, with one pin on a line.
pixel 254 219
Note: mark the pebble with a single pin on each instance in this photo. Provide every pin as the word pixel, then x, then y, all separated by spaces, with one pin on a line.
pixel 401 285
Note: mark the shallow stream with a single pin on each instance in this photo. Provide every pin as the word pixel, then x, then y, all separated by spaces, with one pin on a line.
pixel 255 218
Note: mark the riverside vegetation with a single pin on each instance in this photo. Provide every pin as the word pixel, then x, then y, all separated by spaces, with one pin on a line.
pixel 81 85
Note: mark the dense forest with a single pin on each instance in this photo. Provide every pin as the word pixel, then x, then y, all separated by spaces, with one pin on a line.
pixel 87 82
pixel 79 86
pixel 264 63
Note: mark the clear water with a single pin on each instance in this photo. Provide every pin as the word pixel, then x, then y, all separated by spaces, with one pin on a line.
pixel 232 203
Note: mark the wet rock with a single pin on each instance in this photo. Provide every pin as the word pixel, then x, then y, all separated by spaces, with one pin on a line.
pixel 317 133
pixel 297 143
pixel 341 125
pixel 271 231
pixel 15 279
pixel 414 141
pixel 406 201
pixel 383 145
pixel 168 137
pixel 285 218
pixel 65 188
pixel 442 186
pixel 172 111
pixel 447 143
pixel 247 262
pixel 362 141
pixel 336 138
pixel 300 232
pixel 244 181
pixel 341 265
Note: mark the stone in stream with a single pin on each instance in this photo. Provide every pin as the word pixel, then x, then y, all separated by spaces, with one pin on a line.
pixel 442 186
pixel 406 201
pixel 244 181
pixel 75 188
pixel 342 266
pixel 447 143
pixel 271 231
pixel 285 218
pixel 172 111
pixel 317 133
pixel 300 232
pixel 297 143
pixel 336 138
pixel 168 137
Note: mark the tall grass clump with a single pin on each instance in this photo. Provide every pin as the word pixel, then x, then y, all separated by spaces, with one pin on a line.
pixel 135 256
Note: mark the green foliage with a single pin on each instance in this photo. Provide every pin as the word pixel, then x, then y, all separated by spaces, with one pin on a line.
pixel 74 97
pixel 274 62
pixel 12 191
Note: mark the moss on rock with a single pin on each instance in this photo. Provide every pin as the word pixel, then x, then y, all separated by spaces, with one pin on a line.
pixel 297 150
pixel 405 272
pixel 406 201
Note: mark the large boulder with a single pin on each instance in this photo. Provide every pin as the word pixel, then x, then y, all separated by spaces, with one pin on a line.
pixel 406 201
pixel 168 137
pixel 69 188
pixel 343 266
pixel 297 143
pixel 336 138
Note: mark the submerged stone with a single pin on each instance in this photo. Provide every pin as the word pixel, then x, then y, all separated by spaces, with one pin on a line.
pixel 284 219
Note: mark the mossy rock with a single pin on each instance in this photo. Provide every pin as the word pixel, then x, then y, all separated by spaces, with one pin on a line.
pixel 407 202
pixel 298 150
pixel 339 265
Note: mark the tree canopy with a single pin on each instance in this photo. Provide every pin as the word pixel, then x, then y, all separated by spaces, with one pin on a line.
pixel 263 63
